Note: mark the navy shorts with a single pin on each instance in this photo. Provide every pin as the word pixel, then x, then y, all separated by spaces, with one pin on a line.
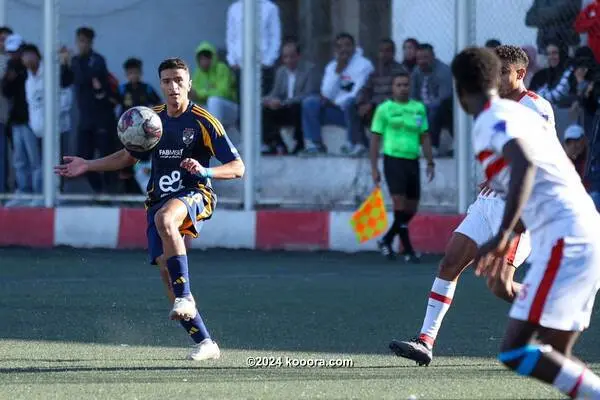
pixel 200 204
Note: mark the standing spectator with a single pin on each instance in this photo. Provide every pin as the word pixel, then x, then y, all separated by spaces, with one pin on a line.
pixel 270 39
pixel 294 81
pixel 135 93
pixel 213 85
pixel 27 161
pixel 554 20
pixel 34 90
pixel 96 130
pixel 4 33
pixel 588 21
pixel 344 77
pixel 432 85
pixel 379 86
pixel 409 54
pixel 401 123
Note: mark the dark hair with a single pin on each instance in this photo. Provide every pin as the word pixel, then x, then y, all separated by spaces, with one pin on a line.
pixel 493 43
pixel 414 41
pixel 512 55
pixel 292 40
pixel 425 46
pixel 6 29
pixel 205 53
pixel 476 70
pixel 30 47
pixel 132 63
pixel 345 35
pixel 400 74
pixel 389 41
pixel 172 63
pixel 86 32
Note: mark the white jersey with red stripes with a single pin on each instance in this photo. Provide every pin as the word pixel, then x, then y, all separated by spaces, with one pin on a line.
pixel 557 191
pixel 559 289
pixel 541 106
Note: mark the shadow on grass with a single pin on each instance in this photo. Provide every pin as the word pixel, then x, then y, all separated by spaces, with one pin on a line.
pixel 277 301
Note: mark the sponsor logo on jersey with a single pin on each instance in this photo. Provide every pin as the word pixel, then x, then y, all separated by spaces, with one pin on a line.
pixel 170 153
pixel 170 183
pixel 188 135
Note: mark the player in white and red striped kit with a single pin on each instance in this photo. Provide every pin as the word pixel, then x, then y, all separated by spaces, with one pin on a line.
pixel 527 165
pixel 480 225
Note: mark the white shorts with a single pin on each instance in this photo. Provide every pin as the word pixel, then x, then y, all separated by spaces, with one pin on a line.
pixel 482 223
pixel 559 289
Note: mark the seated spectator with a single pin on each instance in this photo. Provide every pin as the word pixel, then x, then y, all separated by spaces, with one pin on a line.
pixel 492 43
pixel 379 86
pixel 557 83
pixel 294 81
pixel 533 65
pixel 409 54
pixel 213 85
pixel 135 93
pixel 344 77
pixel 432 85
pixel 576 147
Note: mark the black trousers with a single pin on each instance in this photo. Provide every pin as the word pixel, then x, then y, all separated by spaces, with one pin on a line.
pixel 273 120
pixel 98 142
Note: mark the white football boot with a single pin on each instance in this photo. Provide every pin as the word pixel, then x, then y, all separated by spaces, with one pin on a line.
pixel 205 350
pixel 183 309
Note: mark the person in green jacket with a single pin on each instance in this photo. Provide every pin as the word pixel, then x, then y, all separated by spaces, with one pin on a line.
pixel 213 85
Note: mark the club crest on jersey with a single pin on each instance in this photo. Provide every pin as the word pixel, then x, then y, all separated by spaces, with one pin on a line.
pixel 188 135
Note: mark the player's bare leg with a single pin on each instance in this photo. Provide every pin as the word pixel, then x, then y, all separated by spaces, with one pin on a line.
pixel 460 252
pixel 545 354
pixel 404 210
pixel 168 220
pixel 166 278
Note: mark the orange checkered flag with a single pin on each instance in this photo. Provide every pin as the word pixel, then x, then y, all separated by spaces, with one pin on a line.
pixel 370 220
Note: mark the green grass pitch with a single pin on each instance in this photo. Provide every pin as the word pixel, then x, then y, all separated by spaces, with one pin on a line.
pixel 83 324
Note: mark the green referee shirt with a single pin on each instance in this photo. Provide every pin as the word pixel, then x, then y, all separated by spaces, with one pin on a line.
pixel 401 125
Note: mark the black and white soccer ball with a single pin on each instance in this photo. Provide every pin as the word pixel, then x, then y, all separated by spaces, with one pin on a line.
pixel 139 129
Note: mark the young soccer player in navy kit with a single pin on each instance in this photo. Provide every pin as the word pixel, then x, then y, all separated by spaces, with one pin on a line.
pixel 180 195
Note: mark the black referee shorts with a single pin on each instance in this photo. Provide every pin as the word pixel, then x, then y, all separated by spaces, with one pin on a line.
pixel 403 177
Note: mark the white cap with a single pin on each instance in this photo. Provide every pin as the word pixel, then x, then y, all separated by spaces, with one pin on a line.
pixel 573 132
pixel 13 42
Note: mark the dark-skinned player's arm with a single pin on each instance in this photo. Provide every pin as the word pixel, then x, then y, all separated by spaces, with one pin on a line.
pixel 519 189
pixel 216 140
pixel 76 166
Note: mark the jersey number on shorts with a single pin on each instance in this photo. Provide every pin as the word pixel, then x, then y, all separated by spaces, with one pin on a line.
pixel 171 183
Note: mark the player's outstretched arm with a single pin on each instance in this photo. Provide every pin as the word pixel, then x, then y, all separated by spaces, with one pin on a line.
pixel 76 166
pixel 231 170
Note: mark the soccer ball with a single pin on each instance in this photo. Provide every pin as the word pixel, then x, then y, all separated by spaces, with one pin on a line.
pixel 139 129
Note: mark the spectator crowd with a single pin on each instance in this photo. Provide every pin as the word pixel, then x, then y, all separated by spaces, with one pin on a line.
pixel 295 94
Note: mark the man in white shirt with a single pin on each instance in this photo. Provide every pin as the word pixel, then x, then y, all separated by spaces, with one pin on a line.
pixel 294 81
pixel 34 92
pixel 270 39
pixel 343 79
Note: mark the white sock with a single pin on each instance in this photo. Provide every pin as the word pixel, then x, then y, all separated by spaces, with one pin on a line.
pixel 577 381
pixel 438 304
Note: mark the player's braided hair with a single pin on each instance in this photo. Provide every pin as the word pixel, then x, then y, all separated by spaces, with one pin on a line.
pixel 512 55
pixel 476 70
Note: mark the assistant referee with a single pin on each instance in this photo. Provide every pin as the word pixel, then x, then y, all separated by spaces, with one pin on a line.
pixel 402 125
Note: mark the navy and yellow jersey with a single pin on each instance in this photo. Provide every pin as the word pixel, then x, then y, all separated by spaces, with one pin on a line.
pixel 194 134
